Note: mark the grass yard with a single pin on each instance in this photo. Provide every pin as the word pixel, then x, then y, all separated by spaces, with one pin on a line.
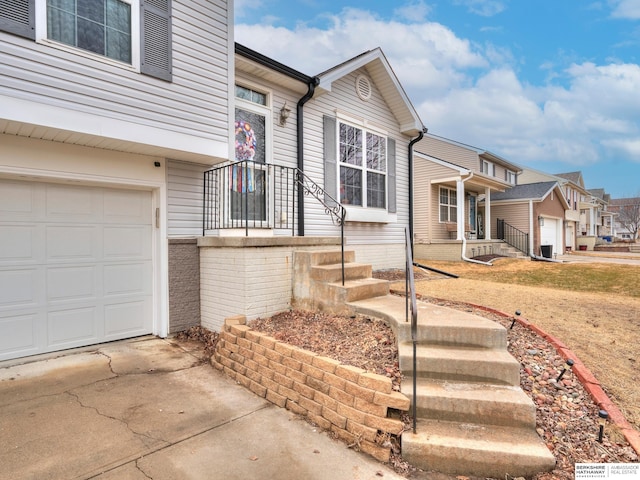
pixel 593 308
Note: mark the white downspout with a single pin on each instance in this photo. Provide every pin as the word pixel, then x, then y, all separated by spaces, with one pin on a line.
pixel 460 187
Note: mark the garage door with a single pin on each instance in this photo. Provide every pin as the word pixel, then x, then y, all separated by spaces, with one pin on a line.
pixel 549 234
pixel 75 266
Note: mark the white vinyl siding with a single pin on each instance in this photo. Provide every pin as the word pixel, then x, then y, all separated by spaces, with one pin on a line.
pixel 192 104
pixel 344 99
pixel 184 199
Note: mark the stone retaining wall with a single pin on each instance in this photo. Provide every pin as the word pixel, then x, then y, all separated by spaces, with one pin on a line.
pixel 343 399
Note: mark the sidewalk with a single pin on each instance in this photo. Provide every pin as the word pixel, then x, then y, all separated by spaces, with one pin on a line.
pixel 151 408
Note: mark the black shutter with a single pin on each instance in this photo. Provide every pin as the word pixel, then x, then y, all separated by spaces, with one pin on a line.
pixel 155 38
pixel 18 17
pixel 330 161
pixel 391 176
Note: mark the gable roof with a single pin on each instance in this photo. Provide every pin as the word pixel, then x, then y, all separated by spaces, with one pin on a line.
pixel 485 154
pixel 378 67
pixel 574 177
pixel 528 191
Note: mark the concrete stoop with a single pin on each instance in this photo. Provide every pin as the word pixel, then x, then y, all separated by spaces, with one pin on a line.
pixel 318 281
pixel 473 417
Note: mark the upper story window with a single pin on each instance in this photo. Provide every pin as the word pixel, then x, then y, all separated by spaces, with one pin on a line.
pixel 99 26
pixel 510 177
pixel 448 205
pixel 575 200
pixel 488 168
pixel 363 167
pixel 133 34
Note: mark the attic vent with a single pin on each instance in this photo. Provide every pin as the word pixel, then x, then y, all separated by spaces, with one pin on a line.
pixel 363 87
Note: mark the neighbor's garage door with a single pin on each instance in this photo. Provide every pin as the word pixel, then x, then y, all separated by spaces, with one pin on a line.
pixel 75 266
pixel 549 234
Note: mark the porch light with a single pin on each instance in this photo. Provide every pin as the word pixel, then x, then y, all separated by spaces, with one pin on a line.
pixel 602 421
pixel 514 319
pixel 541 221
pixel 566 367
pixel 284 114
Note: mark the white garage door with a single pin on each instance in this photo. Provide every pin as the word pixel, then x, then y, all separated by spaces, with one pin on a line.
pixel 549 234
pixel 75 266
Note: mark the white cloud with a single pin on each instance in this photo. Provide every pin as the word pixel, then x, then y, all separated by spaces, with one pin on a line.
pixel 416 11
pixel 629 9
pixel 485 8
pixel 471 93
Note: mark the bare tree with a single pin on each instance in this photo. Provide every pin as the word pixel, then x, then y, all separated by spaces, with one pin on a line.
pixel 628 210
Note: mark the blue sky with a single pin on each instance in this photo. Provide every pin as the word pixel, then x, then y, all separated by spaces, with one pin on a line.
pixel 551 84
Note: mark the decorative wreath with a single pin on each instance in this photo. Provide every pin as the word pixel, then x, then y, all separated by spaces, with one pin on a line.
pixel 246 141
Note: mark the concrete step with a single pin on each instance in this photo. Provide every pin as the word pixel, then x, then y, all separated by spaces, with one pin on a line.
pixel 333 272
pixel 476 450
pixel 472 402
pixel 325 257
pixel 462 364
pixel 354 290
pixel 436 325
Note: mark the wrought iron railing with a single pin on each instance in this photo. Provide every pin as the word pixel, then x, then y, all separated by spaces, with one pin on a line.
pixel 249 195
pixel 512 236
pixel 411 308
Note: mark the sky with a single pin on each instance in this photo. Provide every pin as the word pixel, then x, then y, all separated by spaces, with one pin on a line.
pixel 549 84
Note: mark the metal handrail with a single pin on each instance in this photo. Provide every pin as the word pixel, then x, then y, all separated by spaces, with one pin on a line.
pixel 512 236
pixel 226 203
pixel 331 206
pixel 410 299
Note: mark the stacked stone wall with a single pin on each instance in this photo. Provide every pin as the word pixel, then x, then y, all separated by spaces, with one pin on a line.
pixel 356 406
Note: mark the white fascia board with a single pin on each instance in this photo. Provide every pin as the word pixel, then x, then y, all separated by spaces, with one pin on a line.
pixel 59 118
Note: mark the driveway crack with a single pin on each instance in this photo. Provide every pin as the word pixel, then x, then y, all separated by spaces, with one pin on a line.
pixel 147 439
pixel 140 468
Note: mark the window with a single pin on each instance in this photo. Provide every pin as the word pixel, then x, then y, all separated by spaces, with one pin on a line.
pixel 134 34
pixel 488 168
pixel 98 26
pixel 448 205
pixel 510 177
pixel 248 190
pixel 363 167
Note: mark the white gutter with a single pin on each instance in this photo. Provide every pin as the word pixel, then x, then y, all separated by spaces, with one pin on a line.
pixel 464 240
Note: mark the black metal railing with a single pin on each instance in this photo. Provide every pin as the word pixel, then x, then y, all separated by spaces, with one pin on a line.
pixel 411 308
pixel 512 236
pixel 249 195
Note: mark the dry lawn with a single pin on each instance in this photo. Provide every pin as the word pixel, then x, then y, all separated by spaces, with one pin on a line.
pixel 593 308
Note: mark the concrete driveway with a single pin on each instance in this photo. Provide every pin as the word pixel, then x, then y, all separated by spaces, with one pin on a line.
pixel 152 408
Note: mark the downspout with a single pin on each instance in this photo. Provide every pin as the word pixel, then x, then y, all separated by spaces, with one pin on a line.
pixel 464 240
pixel 300 130
pixel 411 144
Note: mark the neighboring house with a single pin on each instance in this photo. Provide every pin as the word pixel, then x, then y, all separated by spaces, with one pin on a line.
pixel 349 130
pixel 603 223
pixel 537 210
pixel 454 185
pixel 578 215
pixel 104 119
pixel 626 215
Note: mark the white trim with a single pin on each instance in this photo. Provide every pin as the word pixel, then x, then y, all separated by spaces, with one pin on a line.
pixel 42 33
pixel 59 118
pixel 369 215
pixel 360 122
